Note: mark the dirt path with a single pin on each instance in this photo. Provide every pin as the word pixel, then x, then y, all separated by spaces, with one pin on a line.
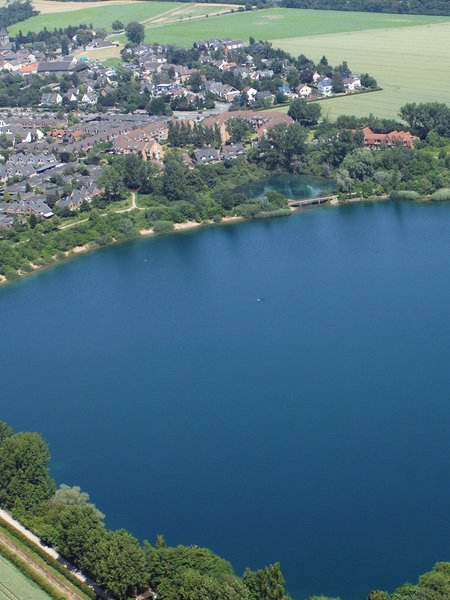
pixel 73 224
pixel 132 207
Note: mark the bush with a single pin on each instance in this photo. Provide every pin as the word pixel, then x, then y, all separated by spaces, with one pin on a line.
pixel 163 226
pixel 441 195
pixel 11 275
pixel 404 195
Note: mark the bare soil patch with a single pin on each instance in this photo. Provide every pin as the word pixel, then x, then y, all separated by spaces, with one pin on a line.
pixel 46 7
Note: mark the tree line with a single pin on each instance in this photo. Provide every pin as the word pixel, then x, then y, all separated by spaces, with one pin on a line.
pixel 412 7
pixel 16 12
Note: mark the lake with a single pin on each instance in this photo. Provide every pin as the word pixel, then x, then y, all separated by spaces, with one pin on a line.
pixel 275 390
pixel 291 186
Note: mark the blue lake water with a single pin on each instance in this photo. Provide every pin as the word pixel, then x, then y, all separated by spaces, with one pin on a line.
pixel 310 427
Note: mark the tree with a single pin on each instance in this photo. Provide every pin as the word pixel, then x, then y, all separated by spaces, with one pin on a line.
pixel 24 474
pixel 265 584
pixel 117 25
pixel 238 129
pixel 195 81
pixel 5 431
pixel 135 32
pixel 73 496
pixel 338 83
pixel 133 168
pixel 175 176
pixel 306 113
pixel 119 564
pixel 284 146
pixel 111 181
pixel 157 106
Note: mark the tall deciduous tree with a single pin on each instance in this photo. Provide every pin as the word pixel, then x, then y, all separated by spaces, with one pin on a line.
pixel 24 474
pixel 306 113
pixel 135 32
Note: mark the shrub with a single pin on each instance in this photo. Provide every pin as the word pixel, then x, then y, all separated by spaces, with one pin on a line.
pixel 163 226
pixel 404 195
pixel 443 194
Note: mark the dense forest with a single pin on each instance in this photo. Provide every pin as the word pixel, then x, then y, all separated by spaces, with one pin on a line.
pixel 411 7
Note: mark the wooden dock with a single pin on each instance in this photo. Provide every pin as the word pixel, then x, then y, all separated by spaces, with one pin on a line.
pixel 311 201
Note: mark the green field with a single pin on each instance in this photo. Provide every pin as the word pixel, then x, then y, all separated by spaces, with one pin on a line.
pixel 103 16
pixel 14 585
pixel 411 65
pixel 282 23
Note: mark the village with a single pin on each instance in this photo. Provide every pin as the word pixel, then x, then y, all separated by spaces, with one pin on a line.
pixel 51 148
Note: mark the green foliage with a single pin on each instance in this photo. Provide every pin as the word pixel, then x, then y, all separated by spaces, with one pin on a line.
pixel 441 195
pixel 135 32
pixel 306 113
pixel 404 195
pixel 5 431
pixel 24 475
pixel 163 226
pixel 265 584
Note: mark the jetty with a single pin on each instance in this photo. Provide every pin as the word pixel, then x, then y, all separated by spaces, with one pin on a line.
pixel 310 201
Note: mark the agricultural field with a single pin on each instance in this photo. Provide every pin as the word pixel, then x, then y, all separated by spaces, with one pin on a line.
pixel 282 23
pixel 410 64
pixel 14 585
pixel 102 14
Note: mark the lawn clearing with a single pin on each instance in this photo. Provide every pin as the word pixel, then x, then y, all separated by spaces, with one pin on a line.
pixel 280 23
pixel 410 64
pixel 14 585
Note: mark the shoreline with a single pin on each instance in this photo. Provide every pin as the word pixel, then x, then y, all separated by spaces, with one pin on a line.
pixel 180 227
pixel 88 248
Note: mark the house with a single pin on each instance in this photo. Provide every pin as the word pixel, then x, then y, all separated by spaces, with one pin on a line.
pixel 206 155
pixel 89 98
pixel 265 95
pixel 303 90
pixel 250 93
pixel 376 140
pixel 230 151
pixel 51 98
pixel 325 86
pixel 72 94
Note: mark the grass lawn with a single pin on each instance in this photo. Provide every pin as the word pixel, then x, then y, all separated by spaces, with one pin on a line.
pixel 15 585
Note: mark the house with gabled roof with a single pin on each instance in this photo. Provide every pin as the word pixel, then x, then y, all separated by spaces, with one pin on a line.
pixel 51 98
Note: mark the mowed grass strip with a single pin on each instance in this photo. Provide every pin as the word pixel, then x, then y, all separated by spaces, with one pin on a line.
pixel 281 23
pixel 410 64
pixel 15 585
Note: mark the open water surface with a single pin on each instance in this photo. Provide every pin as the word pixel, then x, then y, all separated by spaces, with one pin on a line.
pixel 310 426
